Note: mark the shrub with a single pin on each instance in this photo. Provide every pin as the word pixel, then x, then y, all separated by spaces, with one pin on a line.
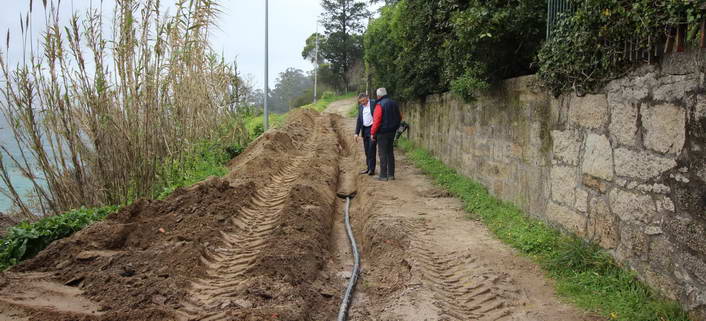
pixel 27 239
pixel 420 47
pixel 327 95
pixel 588 46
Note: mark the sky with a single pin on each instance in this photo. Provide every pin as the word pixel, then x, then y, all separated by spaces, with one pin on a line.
pixel 240 32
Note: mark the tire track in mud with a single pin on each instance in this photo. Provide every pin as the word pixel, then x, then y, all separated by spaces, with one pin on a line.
pixel 228 265
pixel 463 288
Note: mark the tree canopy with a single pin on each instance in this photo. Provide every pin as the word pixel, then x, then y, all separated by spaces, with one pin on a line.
pixel 341 44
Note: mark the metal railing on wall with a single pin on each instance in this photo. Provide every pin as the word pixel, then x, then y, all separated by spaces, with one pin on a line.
pixel 669 39
pixel 555 9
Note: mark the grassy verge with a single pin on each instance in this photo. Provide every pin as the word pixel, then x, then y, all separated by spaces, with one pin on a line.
pixel 254 125
pixel 585 274
pixel 353 112
pixel 326 99
pixel 209 159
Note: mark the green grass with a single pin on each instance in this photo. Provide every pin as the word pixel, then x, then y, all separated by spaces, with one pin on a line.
pixel 326 99
pixel 584 273
pixel 209 159
pixel 353 112
pixel 255 124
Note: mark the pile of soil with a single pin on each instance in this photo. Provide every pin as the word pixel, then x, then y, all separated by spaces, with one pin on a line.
pixel 142 263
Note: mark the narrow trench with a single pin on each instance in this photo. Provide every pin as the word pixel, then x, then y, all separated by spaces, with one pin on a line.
pixel 340 265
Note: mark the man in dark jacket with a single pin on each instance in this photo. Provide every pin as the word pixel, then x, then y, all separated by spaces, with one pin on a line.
pixel 386 120
pixel 366 107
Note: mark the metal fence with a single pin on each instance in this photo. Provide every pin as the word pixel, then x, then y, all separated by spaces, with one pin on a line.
pixel 672 38
pixel 555 8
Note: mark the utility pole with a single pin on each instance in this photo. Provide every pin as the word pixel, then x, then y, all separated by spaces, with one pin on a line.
pixel 316 62
pixel 266 124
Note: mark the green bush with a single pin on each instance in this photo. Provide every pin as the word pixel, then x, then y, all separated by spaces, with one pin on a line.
pixel 403 47
pixel 327 95
pixel 27 239
pixel 255 127
pixel 588 46
pixel 421 47
pixel 209 159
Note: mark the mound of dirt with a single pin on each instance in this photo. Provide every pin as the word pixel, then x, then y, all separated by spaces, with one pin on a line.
pixel 245 247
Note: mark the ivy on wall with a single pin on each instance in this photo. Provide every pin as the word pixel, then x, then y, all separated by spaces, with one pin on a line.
pixel 600 39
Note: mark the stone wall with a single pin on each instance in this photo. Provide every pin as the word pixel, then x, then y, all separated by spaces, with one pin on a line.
pixel 624 168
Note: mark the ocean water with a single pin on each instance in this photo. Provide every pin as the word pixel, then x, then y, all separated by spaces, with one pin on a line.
pixel 22 184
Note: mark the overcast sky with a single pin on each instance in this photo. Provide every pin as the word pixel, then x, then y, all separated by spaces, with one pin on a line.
pixel 240 34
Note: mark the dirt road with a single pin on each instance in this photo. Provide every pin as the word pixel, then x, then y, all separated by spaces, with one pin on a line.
pixel 267 242
pixel 424 260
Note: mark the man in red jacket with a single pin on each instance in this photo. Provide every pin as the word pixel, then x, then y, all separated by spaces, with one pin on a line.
pixel 386 120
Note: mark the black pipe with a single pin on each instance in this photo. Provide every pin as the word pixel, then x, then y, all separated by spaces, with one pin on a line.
pixel 345 304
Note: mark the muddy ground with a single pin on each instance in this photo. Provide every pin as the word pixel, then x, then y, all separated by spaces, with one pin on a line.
pixel 267 242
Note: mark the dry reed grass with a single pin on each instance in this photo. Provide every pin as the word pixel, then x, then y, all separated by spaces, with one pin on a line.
pixel 98 114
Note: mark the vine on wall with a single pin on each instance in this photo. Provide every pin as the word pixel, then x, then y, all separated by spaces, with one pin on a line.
pixel 603 39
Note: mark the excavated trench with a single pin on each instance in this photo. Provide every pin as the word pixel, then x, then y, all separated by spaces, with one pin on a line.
pixel 261 243
pixel 268 242
pixel 424 260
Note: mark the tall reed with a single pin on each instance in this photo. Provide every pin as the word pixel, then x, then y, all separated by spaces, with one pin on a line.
pixel 99 113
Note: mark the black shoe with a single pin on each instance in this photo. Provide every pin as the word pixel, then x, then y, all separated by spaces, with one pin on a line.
pixel 382 179
pixel 371 173
pixel 364 172
pixel 392 178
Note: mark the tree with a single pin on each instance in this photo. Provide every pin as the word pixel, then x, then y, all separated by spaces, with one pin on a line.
pixel 343 44
pixel 291 84
pixel 309 52
pixel 420 47
pixel 241 92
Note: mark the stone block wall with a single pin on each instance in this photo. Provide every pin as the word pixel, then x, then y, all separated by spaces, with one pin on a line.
pixel 625 168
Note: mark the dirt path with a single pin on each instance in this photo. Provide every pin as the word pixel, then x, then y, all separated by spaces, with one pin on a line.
pixel 267 242
pixel 341 107
pixel 423 260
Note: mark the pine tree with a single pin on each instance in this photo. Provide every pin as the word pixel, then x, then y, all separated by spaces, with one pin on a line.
pixel 344 23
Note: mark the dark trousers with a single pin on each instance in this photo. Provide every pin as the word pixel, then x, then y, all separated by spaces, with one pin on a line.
pixel 370 147
pixel 387 154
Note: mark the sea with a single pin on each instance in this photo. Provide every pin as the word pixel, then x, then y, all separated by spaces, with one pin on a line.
pixel 21 183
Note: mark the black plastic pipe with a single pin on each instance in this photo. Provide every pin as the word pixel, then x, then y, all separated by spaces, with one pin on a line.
pixel 345 304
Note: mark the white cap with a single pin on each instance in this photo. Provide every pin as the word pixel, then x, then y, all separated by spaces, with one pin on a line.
pixel 382 92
